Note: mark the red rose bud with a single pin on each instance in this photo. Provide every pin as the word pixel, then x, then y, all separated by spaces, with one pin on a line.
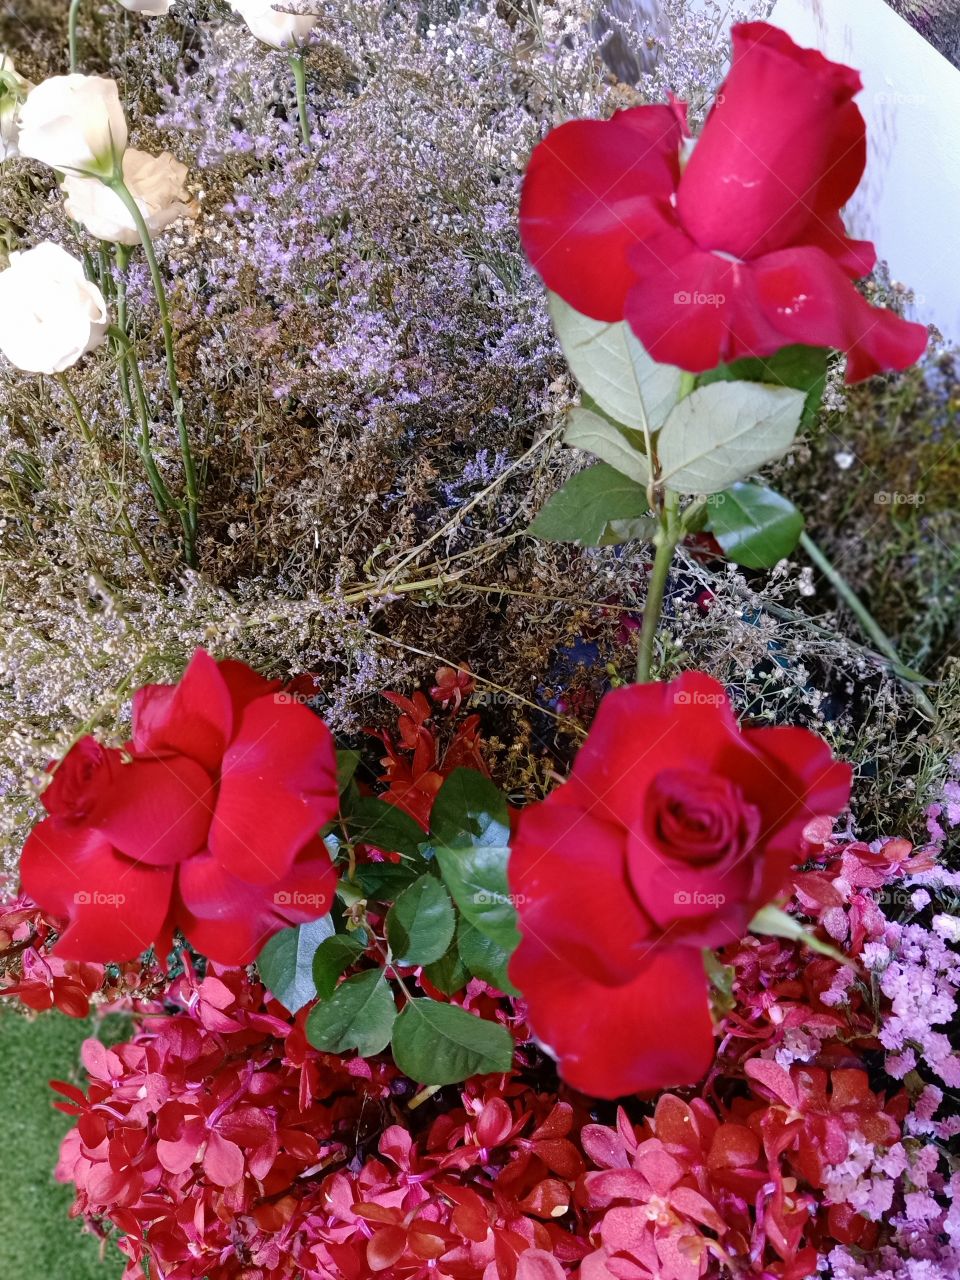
pixel 208 823
pixel 673 829
pixel 742 250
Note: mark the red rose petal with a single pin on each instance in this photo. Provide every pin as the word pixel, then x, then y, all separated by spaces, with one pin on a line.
pixel 192 718
pixel 156 811
pixel 278 787
pixel 115 907
pixel 603 933
pixel 580 199
pixel 648 1034
pixel 782 144
pixel 229 920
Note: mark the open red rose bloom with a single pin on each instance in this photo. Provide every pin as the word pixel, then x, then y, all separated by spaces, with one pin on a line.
pixel 740 252
pixel 673 829
pixel 207 822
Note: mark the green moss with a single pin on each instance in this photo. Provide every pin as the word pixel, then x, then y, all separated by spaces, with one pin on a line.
pixel 890 520
pixel 37 1238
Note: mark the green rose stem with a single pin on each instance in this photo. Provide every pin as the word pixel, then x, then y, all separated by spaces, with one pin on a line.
pixel 89 439
pixel 116 184
pixel 128 356
pixel 867 621
pixel 300 84
pixel 72 32
pixel 667 537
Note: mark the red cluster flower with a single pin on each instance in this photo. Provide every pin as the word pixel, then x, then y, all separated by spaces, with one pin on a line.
pixel 418 758
pixel 206 822
pixel 40 980
pixel 218 1143
pixel 741 250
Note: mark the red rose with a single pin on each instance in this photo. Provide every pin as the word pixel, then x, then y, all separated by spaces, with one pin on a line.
pixel 672 830
pixel 743 251
pixel 207 822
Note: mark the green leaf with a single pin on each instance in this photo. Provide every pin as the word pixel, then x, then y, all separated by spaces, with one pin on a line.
pixel 774 922
pixel 347 762
pixel 471 836
pixel 286 962
pixel 608 442
pixel 589 506
pixel 469 808
pixel 449 974
pixel 421 923
pixel 385 826
pixel 802 367
pixel 484 958
pixel 332 957
pixel 437 1043
pixel 755 526
pixel 612 366
pixel 723 432
pixel 477 879
pixel 382 881
pixel 359 1015
pixel 721 978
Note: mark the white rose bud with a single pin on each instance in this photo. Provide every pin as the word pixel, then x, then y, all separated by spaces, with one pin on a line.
pixel 149 8
pixel 13 90
pixel 281 30
pixel 50 313
pixel 155 182
pixel 74 123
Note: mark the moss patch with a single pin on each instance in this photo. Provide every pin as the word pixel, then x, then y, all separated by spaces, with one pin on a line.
pixel 37 1238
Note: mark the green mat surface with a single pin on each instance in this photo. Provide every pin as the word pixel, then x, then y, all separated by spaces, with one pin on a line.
pixel 37 1239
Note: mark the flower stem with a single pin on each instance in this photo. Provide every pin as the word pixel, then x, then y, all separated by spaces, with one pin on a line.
pixel 300 84
pixel 866 620
pixel 72 16
pixel 128 355
pixel 668 535
pixel 117 185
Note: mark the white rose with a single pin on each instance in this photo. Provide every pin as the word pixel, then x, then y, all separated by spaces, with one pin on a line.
pixel 13 90
pixel 74 123
pixel 50 313
pixel 149 8
pixel 155 182
pixel 272 27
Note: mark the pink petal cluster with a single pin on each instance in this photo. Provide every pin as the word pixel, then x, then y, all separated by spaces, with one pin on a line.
pixel 217 1142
